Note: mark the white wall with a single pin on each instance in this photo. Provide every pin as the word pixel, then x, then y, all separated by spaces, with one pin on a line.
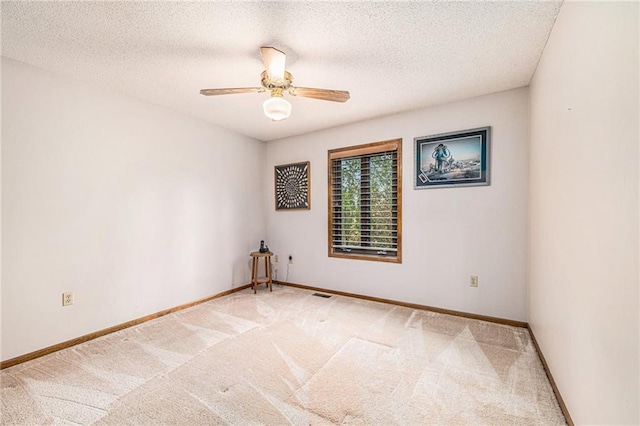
pixel 132 207
pixel 584 210
pixel 448 233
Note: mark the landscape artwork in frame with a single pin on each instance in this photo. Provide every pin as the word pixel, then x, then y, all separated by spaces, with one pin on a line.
pixel 292 186
pixel 452 159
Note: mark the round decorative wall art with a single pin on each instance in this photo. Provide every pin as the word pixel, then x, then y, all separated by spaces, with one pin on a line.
pixel 292 186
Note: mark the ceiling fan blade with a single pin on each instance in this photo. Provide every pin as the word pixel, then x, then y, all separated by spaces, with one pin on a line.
pixel 274 62
pixel 323 94
pixel 231 91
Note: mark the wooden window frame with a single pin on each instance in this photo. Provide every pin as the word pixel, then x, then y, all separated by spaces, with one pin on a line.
pixel 359 150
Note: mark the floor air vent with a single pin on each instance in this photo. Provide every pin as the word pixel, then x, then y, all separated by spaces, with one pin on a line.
pixel 326 296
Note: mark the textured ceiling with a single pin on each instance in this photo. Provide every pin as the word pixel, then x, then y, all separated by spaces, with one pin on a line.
pixel 391 56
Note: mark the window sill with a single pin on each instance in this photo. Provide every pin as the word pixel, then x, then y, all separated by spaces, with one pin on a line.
pixel 370 257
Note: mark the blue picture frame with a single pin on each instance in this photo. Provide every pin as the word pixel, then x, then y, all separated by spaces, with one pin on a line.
pixel 452 159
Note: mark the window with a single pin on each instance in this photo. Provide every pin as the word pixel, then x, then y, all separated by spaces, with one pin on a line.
pixel 365 202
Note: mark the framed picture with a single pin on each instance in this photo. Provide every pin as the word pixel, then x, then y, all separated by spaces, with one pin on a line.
pixel 452 159
pixel 292 186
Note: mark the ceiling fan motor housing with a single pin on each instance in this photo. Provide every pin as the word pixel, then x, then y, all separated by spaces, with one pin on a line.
pixel 269 84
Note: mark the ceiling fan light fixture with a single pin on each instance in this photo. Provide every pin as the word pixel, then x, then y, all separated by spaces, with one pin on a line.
pixel 277 80
pixel 277 108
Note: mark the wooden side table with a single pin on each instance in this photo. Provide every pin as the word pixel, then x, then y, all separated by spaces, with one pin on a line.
pixel 255 257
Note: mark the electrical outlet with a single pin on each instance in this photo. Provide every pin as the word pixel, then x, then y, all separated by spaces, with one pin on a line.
pixel 67 299
pixel 276 258
pixel 290 259
pixel 473 281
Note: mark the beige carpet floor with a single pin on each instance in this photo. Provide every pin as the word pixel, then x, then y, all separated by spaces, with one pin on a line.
pixel 289 357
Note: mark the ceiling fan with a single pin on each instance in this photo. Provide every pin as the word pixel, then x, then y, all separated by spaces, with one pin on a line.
pixel 277 81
